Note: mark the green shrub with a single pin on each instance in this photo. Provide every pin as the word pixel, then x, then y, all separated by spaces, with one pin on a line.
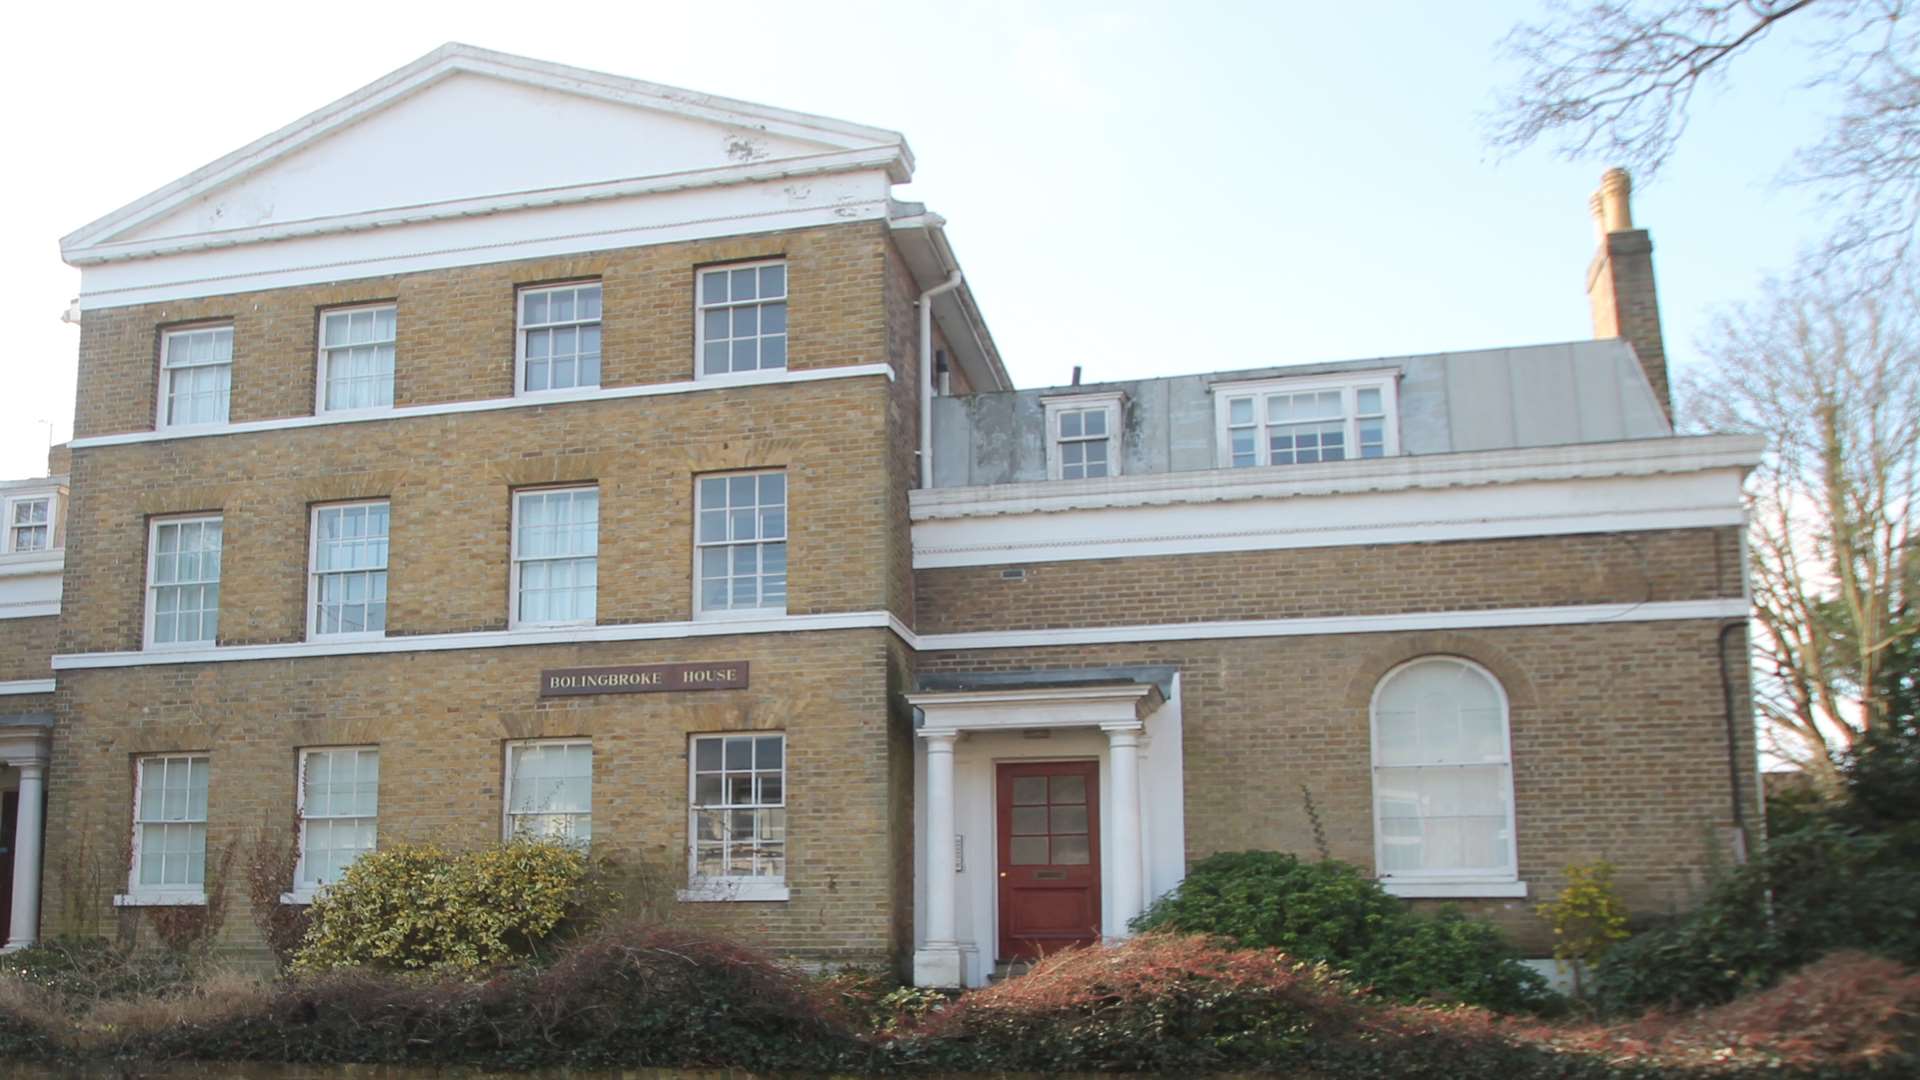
pixel 1822 888
pixel 1329 912
pixel 413 907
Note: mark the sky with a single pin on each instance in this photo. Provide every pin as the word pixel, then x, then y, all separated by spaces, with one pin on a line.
pixel 1137 188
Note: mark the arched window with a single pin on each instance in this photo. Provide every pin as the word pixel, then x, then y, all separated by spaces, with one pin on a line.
pixel 1442 775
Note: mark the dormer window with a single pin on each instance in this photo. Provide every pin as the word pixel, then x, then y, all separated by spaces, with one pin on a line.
pixel 1083 436
pixel 1306 421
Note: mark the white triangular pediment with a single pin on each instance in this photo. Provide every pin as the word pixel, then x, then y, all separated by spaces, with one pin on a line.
pixel 466 130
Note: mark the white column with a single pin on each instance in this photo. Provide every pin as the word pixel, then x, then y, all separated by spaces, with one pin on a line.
pixel 27 834
pixel 937 961
pixel 1123 774
pixel 1146 824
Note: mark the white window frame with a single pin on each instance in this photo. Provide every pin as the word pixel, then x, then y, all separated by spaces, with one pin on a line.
pixel 1387 381
pixel 520 329
pixel 153 532
pixel 7 541
pixel 700 610
pixel 138 895
pixel 1054 407
pixel 320 358
pixel 700 308
pixel 314 572
pixel 1503 881
pixel 733 888
pixel 514 622
pixel 303 892
pixel 513 747
pixel 162 384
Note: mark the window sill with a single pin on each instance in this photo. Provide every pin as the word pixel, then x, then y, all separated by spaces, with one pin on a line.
pixel 725 891
pixel 321 639
pixel 179 646
pixel 724 614
pixel 299 897
pixel 177 899
pixel 1444 889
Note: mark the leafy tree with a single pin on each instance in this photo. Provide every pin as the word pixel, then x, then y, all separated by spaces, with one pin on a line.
pixel 1615 80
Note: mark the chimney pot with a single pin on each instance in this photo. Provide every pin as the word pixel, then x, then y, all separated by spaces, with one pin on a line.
pixel 1616 208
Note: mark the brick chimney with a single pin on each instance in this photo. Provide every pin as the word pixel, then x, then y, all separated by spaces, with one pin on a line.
pixel 59 459
pixel 1620 282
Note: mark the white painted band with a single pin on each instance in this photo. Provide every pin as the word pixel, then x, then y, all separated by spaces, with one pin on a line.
pixel 992 639
pixel 615 393
pixel 27 686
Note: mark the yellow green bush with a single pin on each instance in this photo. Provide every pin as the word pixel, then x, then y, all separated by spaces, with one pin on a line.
pixel 1588 917
pixel 418 907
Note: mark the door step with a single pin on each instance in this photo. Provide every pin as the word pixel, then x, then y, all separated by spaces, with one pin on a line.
pixel 1009 969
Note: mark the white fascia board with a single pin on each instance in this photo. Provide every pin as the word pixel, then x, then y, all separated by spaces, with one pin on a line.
pixel 33 563
pixel 1638 457
pixel 531 231
pixel 27 686
pixel 1477 496
pixel 1492 618
pixel 455 58
pixel 38 609
pixel 488 639
pixel 614 393
pixel 1421 515
pixel 35 485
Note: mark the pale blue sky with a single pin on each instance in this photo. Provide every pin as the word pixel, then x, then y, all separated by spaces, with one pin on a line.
pixel 1139 188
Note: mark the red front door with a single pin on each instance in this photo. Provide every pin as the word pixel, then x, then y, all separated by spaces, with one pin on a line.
pixel 1049 815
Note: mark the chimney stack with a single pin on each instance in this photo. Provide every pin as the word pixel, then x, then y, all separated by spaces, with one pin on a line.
pixel 1620 282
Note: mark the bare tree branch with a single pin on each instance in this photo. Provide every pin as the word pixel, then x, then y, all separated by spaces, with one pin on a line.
pixel 1830 371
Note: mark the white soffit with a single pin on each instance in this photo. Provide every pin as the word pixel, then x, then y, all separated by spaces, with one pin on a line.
pixel 437 140
pixel 1654 484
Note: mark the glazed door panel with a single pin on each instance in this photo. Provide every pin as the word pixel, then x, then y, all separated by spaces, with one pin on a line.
pixel 1049 833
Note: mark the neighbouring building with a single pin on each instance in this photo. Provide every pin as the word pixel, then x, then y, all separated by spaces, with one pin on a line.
pixel 513 449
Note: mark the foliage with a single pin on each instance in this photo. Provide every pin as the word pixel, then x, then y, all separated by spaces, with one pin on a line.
pixel 1588 917
pixel 1615 80
pixel 78 971
pixel 635 996
pixel 1329 912
pixel 272 857
pixel 1826 368
pixel 412 907
pixel 624 995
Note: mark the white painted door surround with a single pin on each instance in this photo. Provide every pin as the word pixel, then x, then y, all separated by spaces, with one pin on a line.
pixel 1130 728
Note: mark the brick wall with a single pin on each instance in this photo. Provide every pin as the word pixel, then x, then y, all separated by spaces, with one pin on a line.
pixel 441 721
pixel 1680 564
pixel 1618 739
pixel 25 645
pixel 449 478
pixel 455 329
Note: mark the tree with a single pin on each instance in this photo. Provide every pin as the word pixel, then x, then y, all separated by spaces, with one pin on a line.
pixel 1830 372
pixel 1615 80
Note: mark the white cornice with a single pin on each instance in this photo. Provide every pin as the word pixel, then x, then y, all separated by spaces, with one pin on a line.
pixel 1640 457
pixel 1578 615
pixel 31 563
pixel 616 393
pixel 454 59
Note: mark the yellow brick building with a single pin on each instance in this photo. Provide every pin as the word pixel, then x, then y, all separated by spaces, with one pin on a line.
pixel 665 491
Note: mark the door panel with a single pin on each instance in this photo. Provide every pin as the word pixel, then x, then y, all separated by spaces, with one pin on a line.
pixel 1049 842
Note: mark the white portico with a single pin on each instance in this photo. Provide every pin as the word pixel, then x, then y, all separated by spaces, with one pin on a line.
pixel 23 751
pixel 985 886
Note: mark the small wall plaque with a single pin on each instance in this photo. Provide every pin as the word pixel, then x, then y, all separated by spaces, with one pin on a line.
pixel 644 678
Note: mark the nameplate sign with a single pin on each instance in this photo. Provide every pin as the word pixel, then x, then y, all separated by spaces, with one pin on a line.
pixel 644 678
